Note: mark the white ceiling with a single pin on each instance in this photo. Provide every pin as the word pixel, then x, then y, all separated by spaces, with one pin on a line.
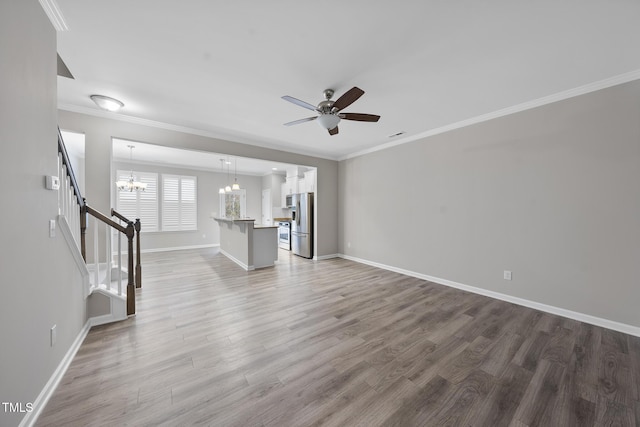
pixel 219 67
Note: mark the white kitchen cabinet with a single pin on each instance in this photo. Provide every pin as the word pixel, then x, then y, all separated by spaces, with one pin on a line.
pixel 310 181
pixel 290 186
pixel 283 194
pixel 276 190
pixel 302 187
pixel 292 183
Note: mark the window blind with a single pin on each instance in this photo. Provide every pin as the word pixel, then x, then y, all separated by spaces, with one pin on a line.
pixel 179 203
pixel 140 204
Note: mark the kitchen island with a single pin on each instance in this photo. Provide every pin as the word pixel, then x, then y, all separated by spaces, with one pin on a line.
pixel 249 245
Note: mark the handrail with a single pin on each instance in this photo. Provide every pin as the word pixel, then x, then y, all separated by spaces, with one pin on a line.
pixel 65 160
pixel 119 215
pixel 106 219
pixel 128 231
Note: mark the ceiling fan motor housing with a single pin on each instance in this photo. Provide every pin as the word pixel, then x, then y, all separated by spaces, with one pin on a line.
pixel 325 107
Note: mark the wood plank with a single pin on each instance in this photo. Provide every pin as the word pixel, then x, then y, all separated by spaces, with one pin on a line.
pixel 337 343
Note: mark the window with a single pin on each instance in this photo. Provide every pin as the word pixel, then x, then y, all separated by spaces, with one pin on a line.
pixel 179 203
pixel 140 204
pixel 234 204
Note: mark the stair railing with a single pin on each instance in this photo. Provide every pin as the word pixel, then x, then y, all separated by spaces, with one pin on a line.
pixel 74 208
pixel 137 226
pixel 128 231
pixel 70 201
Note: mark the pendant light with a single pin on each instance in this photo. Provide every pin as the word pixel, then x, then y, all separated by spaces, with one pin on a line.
pixel 235 185
pixel 131 184
pixel 221 190
pixel 227 189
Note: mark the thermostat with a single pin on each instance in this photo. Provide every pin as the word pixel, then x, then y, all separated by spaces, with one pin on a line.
pixel 53 182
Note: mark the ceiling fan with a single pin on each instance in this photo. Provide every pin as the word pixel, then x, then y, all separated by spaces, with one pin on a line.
pixel 330 111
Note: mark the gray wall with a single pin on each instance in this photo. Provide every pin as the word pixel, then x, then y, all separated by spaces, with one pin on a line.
pixel 41 284
pixel 208 232
pixel 550 193
pixel 98 180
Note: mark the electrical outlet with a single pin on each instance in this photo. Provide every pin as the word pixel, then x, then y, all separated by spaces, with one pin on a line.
pixel 52 228
pixel 507 275
pixel 54 335
pixel 348 244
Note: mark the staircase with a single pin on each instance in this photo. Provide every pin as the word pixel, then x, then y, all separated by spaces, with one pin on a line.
pixel 105 295
pixel 108 300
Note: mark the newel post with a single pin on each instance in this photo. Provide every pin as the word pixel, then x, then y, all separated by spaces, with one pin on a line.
pixel 83 229
pixel 131 288
pixel 137 227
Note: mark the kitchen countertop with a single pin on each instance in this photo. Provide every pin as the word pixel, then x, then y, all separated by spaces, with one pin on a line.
pixel 245 220
pixel 233 220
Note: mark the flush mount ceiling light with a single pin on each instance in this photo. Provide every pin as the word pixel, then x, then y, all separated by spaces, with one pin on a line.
pixel 106 103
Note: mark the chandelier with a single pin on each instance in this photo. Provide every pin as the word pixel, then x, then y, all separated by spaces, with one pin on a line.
pixel 131 184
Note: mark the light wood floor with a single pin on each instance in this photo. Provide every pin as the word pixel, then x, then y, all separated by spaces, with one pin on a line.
pixel 338 343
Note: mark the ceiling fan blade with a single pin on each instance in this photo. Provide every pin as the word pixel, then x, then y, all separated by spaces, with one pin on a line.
pixel 359 117
pixel 300 103
pixel 348 98
pixel 295 122
pixel 333 131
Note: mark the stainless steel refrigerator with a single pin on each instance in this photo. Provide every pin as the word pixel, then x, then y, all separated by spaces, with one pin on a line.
pixel 302 225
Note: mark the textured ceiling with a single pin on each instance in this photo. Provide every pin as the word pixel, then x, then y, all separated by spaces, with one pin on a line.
pixel 219 68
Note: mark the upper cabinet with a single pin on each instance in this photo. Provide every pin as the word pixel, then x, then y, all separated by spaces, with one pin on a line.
pixel 290 186
pixel 305 183
pixel 310 181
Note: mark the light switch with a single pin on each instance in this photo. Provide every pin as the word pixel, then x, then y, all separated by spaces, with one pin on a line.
pixel 53 335
pixel 52 228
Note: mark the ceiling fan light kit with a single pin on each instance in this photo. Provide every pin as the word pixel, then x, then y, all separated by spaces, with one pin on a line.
pixel 328 121
pixel 329 111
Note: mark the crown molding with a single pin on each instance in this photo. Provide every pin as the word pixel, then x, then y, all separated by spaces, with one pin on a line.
pixel 192 131
pixel 54 13
pixel 560 96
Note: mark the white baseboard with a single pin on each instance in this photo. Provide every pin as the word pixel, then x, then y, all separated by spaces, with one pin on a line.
pixel 323 257
pixel 46 393
pixel 581 317
pixel 237 261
